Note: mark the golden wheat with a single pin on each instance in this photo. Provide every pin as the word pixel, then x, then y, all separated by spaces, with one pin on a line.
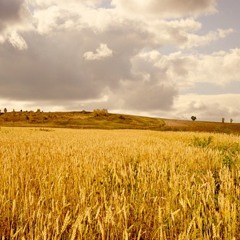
pixel 118 184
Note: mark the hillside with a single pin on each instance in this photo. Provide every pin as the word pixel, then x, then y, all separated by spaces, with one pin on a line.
pixel 101 120
pixel 201 126
pixel 83 119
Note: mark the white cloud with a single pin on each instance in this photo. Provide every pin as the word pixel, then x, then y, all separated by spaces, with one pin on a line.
pixel 102 52
pixel 47 19
pixel 49 16
pixel 194 40
pixel 17 41
pixel 208 107
pixel 187 69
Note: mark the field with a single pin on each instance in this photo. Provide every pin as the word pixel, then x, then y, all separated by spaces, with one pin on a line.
pixel 91 120
pixel 118 184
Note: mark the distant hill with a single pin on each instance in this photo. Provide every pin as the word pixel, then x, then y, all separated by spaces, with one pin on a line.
pixel 83 119
pixel 201 126
pixel 103 120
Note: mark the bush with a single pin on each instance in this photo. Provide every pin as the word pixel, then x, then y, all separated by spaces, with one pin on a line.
pixel 100 112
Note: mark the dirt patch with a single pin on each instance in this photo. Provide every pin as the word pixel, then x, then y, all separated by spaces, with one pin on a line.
pixel 176 123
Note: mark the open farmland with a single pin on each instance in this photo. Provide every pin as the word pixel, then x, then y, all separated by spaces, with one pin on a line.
pixel 118 184
pixel 91 120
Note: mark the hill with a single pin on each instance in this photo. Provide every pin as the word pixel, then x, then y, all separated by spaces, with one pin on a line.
pixel 103 120
pixel 201 126
pixel 97 120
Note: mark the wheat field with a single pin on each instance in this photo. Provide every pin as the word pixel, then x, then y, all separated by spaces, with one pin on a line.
pixel 118 184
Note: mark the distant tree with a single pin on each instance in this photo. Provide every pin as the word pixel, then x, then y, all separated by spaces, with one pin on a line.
pixel 38 111
pixel 5 110
pixel 193 118
pixel 231 120
pixel 223 120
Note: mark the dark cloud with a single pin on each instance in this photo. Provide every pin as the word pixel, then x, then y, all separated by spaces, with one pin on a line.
pixel 147 97
pixel 9 11
pixel 54 70
pixel 53 67
pixel 166 8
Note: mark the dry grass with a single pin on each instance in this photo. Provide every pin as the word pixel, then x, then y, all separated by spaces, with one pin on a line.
pixel 99 119
pixel 119 184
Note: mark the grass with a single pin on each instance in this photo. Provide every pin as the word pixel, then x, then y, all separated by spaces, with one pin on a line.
pixel 79 120
pixel 119 184
pixel 89 120
pixel 201 126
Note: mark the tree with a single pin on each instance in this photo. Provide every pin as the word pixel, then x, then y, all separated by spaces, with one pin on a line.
pixel 193 118
pixel 5 110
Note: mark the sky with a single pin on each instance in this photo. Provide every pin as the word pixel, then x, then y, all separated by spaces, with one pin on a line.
pixel 161 58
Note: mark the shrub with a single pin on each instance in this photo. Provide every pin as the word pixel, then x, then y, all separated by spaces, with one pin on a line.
pixel 100 112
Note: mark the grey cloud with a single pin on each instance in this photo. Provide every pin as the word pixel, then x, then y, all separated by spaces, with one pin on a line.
pixel 167 8
pixel 53 67
pixel 188 7
pixel 50 69
pixel 9 11
pixel 53 70
pixel 147 97
pixel 211 110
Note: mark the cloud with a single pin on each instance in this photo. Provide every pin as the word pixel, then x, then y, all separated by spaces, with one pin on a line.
pixel 102 52
pixel 165 8
pixel 208 107
pixel 142 96
pixel 14 17
pixel 59 15
pixel 194 40
pixel 10 10
pixel 185 70
pixel 94 53
pixel 17 41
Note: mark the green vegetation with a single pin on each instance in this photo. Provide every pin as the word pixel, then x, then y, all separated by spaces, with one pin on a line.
pixel 202 142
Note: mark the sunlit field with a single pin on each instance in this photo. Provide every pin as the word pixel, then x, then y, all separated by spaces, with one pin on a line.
pixel 118 184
